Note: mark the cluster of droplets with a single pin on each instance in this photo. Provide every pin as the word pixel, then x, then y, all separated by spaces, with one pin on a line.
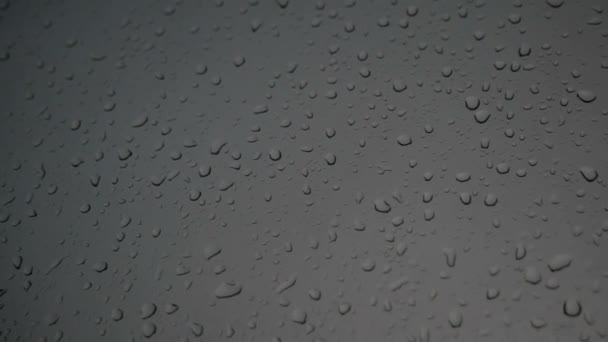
pixel 282 170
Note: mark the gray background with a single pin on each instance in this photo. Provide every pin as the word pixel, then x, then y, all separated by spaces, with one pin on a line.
pixel 205 170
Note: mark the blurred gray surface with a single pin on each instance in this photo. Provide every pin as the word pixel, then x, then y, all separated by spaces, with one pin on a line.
pixel 289 170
